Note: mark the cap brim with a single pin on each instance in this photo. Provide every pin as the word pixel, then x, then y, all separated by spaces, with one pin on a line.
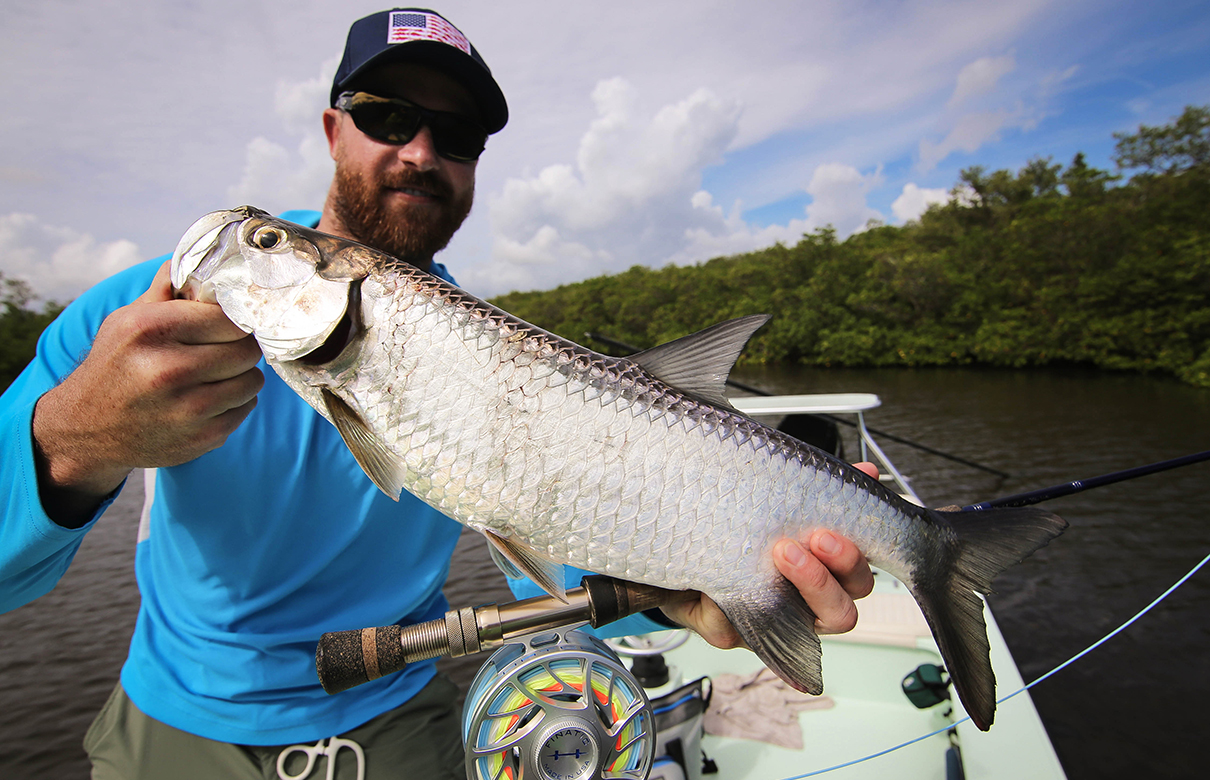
pixel 476 78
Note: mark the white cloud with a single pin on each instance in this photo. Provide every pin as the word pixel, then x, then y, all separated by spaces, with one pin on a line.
pixel 972 129
pixel 623 161
pixel 633 196
pixel 275 179
pixel 546 248
pixel 729 234
pixel 914 201
pixel 629 197
pixel 970 133
pixel 980 77
pixel 58 262
pixel 1051 82
pixel 978 111
pixel 299 103
pixel 839 193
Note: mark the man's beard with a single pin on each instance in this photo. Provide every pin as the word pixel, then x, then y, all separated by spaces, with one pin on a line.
pixel 412 234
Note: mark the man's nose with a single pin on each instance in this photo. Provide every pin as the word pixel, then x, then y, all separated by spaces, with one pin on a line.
pixel 420 151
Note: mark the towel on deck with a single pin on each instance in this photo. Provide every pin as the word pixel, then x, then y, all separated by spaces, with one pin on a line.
pixel 759 706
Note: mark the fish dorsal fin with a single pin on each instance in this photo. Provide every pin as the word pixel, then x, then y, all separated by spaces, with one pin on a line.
pixel 378 462
pixel 700 363
pixel 548 575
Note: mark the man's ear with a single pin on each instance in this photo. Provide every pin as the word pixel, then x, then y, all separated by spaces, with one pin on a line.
pixel 332 126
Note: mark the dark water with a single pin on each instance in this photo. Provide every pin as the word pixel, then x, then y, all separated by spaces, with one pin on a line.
pixel 1133 708
pixel 1136 707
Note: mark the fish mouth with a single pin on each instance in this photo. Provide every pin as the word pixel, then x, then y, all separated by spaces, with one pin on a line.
pixel 203 247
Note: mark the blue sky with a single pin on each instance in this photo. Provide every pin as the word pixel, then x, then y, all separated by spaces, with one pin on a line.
pixel 641 132
pixel 1125 66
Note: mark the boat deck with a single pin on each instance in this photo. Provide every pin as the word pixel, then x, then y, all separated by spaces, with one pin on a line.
pixel 863 671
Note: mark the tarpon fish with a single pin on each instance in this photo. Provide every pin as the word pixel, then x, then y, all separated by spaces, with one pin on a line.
pixel 637 467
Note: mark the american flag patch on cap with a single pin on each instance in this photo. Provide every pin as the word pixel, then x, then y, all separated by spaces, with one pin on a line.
pixel 419 26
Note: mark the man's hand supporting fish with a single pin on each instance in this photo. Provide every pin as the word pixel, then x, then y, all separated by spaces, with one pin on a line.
pixel 164 382
pixel 828 570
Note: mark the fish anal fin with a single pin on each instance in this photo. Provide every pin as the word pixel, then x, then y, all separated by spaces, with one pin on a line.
pixel 547 574
pixel 955 617
pixel 699 364
pixel 380 464
pixel 780 628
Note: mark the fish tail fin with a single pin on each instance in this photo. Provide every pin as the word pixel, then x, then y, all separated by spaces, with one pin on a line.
pixel 989 542
pixel 779 627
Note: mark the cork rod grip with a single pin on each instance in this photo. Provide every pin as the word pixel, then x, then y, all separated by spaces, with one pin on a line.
pixel 344 659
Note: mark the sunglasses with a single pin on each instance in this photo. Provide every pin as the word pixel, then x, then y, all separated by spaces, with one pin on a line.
pixel 396 121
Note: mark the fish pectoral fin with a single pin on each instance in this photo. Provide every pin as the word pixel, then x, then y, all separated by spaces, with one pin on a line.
pixel 780 628
pixel 382 466
pixel 506 567
pixel 699 364
pixel 548 575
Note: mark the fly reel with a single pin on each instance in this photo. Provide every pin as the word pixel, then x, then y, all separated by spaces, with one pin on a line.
pixel 557 706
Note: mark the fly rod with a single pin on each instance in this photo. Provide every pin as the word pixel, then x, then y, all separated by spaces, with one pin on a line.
pixel 832 418
pixel 344 659
pixel 1080 485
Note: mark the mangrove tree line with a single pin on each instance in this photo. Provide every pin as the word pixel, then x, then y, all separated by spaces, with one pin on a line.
pixel 20 326
pixel 1046 266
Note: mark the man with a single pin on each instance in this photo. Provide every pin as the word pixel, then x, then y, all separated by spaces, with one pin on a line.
pixel 261 531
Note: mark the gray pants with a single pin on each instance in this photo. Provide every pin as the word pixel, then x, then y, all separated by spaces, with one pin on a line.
pixel 421 739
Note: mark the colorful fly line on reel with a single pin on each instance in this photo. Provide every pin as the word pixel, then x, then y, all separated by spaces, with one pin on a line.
pixel 570 711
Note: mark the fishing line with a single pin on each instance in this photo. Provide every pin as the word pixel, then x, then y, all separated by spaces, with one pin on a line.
pixel 1049 674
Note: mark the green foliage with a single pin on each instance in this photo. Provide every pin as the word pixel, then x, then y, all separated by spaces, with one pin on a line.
pixel 20 327
pixel 1172 148
pixel 1050 265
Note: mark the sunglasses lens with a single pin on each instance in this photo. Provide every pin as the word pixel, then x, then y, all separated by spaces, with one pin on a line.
pixel 397 122
pixel 456 138
pixel 386 121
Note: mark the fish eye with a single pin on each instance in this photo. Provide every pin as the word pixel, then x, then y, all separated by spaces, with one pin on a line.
pixel 268 237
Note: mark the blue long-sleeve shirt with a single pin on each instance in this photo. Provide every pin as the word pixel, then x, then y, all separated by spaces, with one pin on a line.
pixel 248 554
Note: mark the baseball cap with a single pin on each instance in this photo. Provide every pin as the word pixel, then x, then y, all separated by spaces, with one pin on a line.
pixel 426 37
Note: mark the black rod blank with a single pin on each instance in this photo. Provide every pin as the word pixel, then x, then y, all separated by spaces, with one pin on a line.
pixel 1080 485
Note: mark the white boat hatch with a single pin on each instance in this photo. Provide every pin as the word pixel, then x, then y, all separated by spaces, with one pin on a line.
pixel 856 404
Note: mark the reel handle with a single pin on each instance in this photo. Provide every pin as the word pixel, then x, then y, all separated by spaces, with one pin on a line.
pixel 344 659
